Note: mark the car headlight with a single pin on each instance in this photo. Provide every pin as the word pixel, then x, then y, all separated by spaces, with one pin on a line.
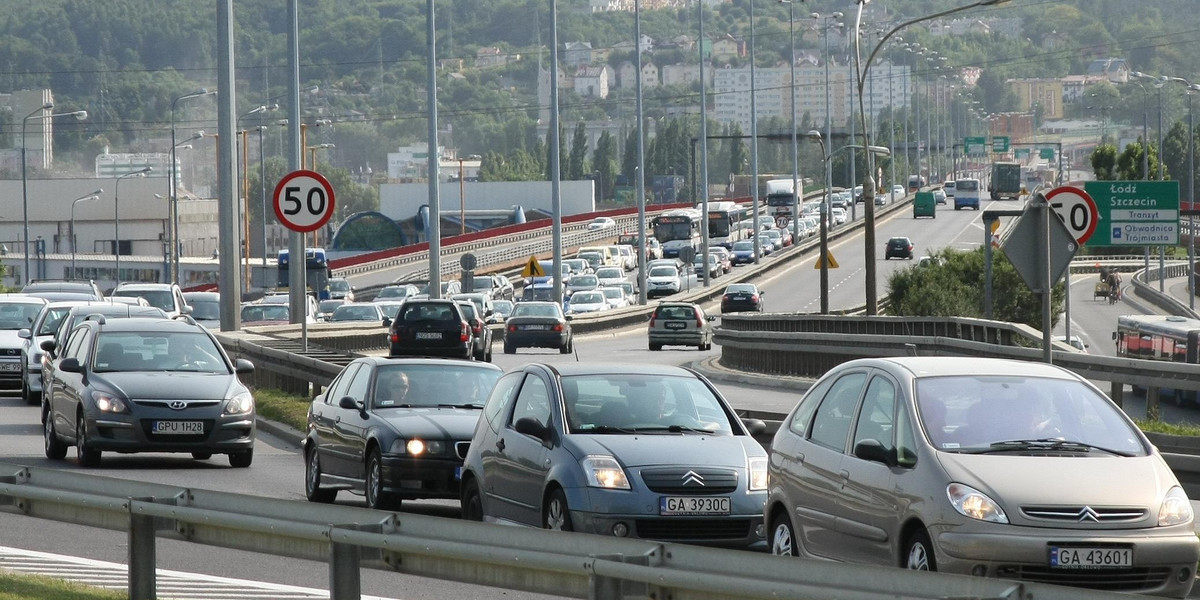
pixel 1175 508
pixel 36 360
pixel 417 447
pixel 240 404
pixel 758 474
pixel 604 472
pixel 109 403
pixel 973 503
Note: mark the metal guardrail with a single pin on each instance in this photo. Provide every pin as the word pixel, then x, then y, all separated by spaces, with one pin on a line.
pixel 350 539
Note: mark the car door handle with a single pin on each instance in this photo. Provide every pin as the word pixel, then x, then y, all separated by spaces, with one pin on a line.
pixel 500 444
pixel 845 475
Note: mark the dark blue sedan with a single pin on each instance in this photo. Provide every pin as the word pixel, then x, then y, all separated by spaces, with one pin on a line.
pixel 743 252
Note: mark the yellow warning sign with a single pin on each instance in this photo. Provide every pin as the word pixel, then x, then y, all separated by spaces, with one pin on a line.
pixel 827 259
pixel 533 268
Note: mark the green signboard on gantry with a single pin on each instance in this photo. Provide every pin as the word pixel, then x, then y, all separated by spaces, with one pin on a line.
pixel 975 144
pixel 1135 213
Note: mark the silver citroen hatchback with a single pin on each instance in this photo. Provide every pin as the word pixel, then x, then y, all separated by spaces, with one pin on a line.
pixel 985 467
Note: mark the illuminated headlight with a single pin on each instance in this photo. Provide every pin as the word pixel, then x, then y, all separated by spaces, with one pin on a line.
pixel 758 474
pixel 973 503
pixel 108 403
pixel 240 404
pixel 604 472
pixel 417 447
pixel 1175 508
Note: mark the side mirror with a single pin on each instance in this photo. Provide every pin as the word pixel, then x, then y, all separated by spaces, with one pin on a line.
pixel 242 366
pixel 531 427
pixel 569 317
pixel 49 345
pixel 387 322
pixel 712 317
pixel 754 426
pixel 349 403
pixel 70 365
pixel 873 450
pixel 762 293
pixel 24 334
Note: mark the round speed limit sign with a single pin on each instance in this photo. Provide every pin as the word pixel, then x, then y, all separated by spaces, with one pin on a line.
pixel 1076 209
pixel 303 201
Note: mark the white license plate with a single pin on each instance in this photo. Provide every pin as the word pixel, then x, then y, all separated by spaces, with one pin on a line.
pixel 10 367
pixel 1091 558
pixel 178 427
pixel 675 325
pixel 429 335
pixel 535 327
pixel 693 505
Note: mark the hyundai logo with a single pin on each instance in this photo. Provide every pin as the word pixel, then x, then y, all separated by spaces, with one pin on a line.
pixel 178 404
pixel 1087 514
pixel 692 478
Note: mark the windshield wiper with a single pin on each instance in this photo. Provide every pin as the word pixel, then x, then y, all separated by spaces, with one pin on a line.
pixel 673 429
pixel 1048 444
pixel 460 406
pixel 604 429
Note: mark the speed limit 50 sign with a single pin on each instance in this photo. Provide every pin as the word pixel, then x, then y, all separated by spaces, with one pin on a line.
pixel 1076 209
pixel 303 201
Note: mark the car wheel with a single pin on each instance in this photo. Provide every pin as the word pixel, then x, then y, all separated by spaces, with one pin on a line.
pixel 509 349
pixel 312 479
pixel 566 348
pixel 376 497
pixel 556 516
pixel 783 536
pixel 29 396
pixel 472 502
pixel 919 556
pixel 88 456
pixel 55 448
pixel 202 455
pixel 487 356
pixel 241 460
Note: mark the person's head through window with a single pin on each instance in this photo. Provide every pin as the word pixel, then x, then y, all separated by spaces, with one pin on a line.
pixel 392 387
pixel 646 403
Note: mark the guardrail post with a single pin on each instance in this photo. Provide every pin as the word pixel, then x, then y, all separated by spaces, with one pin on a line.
pixel 602 587
pixel 344 579
pixel 1116 391
pixel 142 554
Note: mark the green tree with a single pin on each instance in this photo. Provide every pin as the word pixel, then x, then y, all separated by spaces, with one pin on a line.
pixel 1104 162
pixel 738 156
pixel 604 161
pixel 577 159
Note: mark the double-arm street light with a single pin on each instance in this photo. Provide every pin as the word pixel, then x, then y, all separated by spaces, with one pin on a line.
pixel 1190 89
pixel 42 112
pixel 117 218
pixel 872 307
pixel 173 193
pixel 92 196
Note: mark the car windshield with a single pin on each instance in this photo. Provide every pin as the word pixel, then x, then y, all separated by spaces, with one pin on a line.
pixel 18 315
pixel 743 245
pixel 53 318
pixel 163 299
pixel 536 310
pixel 610 273
pixel 468 309
pixel 502 307
pixel 445 385
pixel 663 272
pixel 587 298
pixel 265 312
pixel 482 283
pixel 612 293
pixel 393 292
pixel 738 288
pixel 205 310
pixel 339 285
pixel 355 312
pixel 123 351
pixel 615 404
pixel 978 414
pixel 584 281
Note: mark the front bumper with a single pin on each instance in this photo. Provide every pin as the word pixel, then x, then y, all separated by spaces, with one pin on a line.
pixel 130 433
pixel 598 511
pixel 425 477
pixel 536 339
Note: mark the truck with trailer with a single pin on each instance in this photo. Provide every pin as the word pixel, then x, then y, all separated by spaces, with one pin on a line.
pixel 1006 181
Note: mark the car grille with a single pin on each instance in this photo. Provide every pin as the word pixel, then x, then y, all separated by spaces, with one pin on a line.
pixel 167 403
pixel 1084 514
pixel 460 449
pixel 698 481
pixel 10 351
pixel 1114 580
pixel 693 529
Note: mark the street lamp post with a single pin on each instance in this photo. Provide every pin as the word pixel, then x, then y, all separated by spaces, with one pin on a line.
pixel 92 196
pixel 795 143
pixel 48 106
pixel 173 193
pixel 117 219
pixel 869 201
pixel 825 26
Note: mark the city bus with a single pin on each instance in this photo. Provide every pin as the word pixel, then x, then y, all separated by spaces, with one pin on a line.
pixel 723 220
pixel 316 272
pixel 780 198
pixel 1160 337
pixel 677 229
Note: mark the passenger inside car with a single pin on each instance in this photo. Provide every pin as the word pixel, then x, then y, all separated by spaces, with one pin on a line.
pixel 391 388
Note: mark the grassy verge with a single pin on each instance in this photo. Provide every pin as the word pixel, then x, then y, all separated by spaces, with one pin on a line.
pixel 1156 426
pixel 36 587
pixel 284 407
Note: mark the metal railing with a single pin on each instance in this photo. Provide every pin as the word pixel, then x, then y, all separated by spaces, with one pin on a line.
pixel 350 539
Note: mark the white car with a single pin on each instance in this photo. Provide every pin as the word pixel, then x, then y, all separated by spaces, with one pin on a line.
pixel 601 223
pixel 610 275
pixel 839 215
pixel 586 302
pixel 615 295
pixel 662 280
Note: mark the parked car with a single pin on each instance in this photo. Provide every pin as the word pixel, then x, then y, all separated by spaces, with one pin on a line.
pixel 586 302
pixel 639 451
pixel 399 291
pixel 601 223
pixel 538 325
pixel 206 308
pixel 17 312
pixel 148 385
pixel 87 287
pixel 989 467
pixel 739 297
pixel 899 247
pixel 481 334
pixel 357 311
pixel 680 324
pixel 340 289
pixel 428 327
pixel 392 429
pixel 662 280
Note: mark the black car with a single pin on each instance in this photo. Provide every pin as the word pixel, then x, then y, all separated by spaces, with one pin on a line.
pixel 899 247
pixel 394 429
pixel 428 327
pixel 740 297
pixel 481 336
pixel 148 385
pixel 538 325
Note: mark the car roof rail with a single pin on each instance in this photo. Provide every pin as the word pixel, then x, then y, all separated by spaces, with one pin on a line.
pixel 97 317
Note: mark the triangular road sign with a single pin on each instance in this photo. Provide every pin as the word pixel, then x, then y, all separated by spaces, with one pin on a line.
pixel 827 259
pixel 533 268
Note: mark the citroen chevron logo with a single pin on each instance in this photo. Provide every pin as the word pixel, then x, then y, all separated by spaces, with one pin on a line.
pixel 692 478
pixel 1087 514
pixel 178 404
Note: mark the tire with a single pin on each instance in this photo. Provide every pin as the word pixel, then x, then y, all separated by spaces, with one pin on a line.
pixel 487 356
pixel 373 486
pixel 509 349
pixel 472 502
pixel 88 456
pixel 566 348
pixel 30 397
pixel 556 515
pixel 783 536
pixel 312 479
pixel 202 455
pixel 55 448
pixel 241 460
pixel 918 555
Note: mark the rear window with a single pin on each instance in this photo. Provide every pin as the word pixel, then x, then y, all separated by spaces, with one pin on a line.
pixel 967 185
pixel 676 312
pixel 429 312
pixel 663 272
